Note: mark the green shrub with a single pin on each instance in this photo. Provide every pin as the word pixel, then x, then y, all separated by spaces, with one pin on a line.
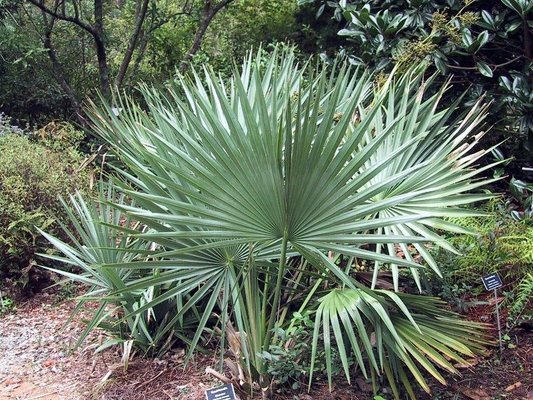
pixel 503 244
pixel 60 137
pixel 31 178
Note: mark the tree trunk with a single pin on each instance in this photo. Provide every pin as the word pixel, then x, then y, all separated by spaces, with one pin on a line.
pixel 96 31
pixel 140 54
pixel 101 53
pixel 103 70
pixel 207 16
pixel 140 16
pixel 59 72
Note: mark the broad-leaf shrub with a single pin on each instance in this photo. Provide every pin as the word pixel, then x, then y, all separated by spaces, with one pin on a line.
pixel 456 37
pixel 31 178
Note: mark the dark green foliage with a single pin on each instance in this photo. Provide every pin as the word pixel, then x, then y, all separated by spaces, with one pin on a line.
pixel 523 194
pixel 486 45
pixel 31 178
pixel 316 35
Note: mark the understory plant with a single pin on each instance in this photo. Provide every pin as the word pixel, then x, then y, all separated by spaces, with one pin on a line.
pixel 503 243
pixel 31 178
pixel 521 309
pixel 247 190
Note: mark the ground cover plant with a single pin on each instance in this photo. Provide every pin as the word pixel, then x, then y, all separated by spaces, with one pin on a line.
pixel 253 198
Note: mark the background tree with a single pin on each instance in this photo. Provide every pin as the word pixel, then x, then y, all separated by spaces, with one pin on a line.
pixel 81 42
pixel 95 24
pixel 80 46
pixel 24 78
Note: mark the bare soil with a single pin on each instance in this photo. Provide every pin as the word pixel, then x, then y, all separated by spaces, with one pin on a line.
pixel 35 363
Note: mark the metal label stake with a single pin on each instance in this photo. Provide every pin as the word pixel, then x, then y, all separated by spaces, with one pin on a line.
pixel 493 282
pixel 224 392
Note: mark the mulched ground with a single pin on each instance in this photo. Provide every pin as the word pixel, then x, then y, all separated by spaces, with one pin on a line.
pixel 35 364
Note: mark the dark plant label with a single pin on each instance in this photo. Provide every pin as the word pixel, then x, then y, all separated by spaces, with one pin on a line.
pixel 225 392
pixel 492 281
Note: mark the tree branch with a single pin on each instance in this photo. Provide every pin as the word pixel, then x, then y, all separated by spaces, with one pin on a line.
pixel 495 66
pixel 146 33
pixel 208 15
pixel 59 72
pixel 63 17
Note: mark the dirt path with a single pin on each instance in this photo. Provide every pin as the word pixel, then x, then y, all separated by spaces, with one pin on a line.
pixel 35 362
pixel 34 359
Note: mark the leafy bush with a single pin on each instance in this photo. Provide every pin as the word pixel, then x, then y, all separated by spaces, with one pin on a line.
pixel 502 243
pixel 60 137
pixel 456 37
pixel 31 178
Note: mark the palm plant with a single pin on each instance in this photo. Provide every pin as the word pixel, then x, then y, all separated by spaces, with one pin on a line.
pixel 93 242
pixel 252 187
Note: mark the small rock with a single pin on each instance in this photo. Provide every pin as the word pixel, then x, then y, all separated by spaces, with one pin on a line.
pixel 365 387
pixel 11 388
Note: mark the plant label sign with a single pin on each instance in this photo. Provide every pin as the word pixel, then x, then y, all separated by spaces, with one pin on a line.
pixel 225 392
pixel 492 281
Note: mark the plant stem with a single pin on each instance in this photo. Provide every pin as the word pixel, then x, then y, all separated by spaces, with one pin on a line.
pixel 277 293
